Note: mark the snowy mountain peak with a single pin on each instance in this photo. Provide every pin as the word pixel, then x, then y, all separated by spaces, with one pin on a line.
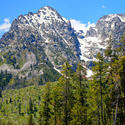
pixel 56 38
pixel 93 38
pixel 47 35
pixel 112 17
pixel 48 12
pixel 47 8
pixel 44 17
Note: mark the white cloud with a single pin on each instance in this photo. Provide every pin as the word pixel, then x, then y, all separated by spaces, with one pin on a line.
pixel 77 25
pixel 103 6
pixel 5 26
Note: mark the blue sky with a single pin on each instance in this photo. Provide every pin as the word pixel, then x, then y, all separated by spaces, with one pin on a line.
pixel 82 10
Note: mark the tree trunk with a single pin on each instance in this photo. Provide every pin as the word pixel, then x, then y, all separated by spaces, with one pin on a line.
pixel 114 121
pixel 98 111
pixel 85 117
pixel 124 109
pixel 101 107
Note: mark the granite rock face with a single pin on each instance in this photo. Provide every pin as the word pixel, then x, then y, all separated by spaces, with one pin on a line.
pixel 39 41
pixel 94 40
pixel 37 44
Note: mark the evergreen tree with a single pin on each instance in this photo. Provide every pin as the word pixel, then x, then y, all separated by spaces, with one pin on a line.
pixel 0 93
pixel 99 86
pixel 19 108
pixel 111 78
pixel 79 110
pixel 46 110
pixel 31 106
pixel 121 72
pixel 57 100
pixel 67 91
pixel 30 120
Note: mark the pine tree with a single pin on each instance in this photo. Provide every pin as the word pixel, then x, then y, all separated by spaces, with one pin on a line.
pixel 122 81
pixel 31 106
pixel 46 110
pixel 30 120
pixel 0 93
pixel 67 91
pixel 111 61
pixel 19 107
pixel 57 100
pixel 79 110
pixel 121 72
pixel 99 86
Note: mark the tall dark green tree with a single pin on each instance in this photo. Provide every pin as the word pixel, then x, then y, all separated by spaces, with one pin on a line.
pixel 46 110
pixel 57 100
pixel 111 59
pixel 99 86
pixel 79 110
pixel 121 71
pixel 30 120
pixel 31 106
pixel 0 93
pixel 65 80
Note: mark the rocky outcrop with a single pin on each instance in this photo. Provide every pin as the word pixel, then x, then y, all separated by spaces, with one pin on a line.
pixel 39 40
pixel 96 36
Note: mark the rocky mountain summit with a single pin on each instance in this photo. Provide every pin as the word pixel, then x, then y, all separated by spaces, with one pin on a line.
pixel 94 39
pixel 37 44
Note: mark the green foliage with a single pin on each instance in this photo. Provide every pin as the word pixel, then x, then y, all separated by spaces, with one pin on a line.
pixel 72 99
pixel 30 122
pixel 50 75
pixel 21 59
pixel 53 103
pixel 4 79
pixel 16 104
pixel 106 93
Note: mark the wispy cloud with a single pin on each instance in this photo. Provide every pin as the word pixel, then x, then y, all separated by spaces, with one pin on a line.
pixel 77 25
pixel 103 6
pixel 5 26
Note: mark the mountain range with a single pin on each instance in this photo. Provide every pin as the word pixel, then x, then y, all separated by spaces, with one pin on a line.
pixel 37 44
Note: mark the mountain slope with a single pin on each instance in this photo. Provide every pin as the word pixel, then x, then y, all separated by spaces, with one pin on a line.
pixel 94 39
pixel 38 44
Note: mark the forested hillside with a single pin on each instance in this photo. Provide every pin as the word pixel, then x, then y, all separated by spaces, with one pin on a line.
pixel 73 99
